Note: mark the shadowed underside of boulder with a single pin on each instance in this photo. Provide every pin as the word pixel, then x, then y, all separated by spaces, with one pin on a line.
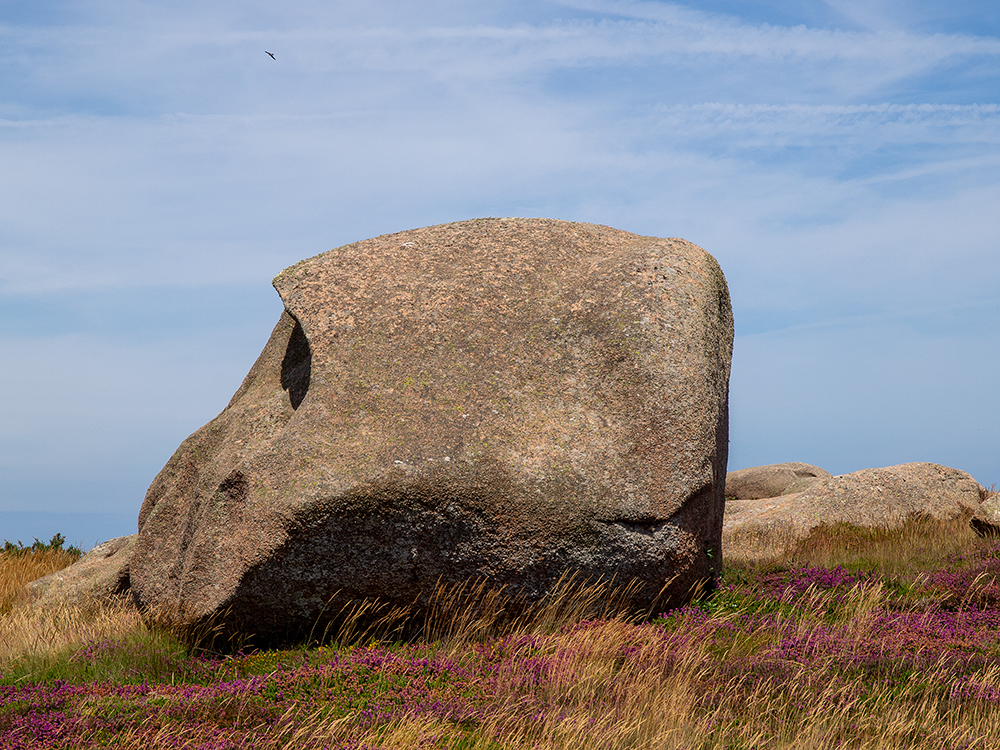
pixel 506 399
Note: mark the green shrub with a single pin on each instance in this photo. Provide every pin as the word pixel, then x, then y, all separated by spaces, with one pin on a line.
pixel 54 545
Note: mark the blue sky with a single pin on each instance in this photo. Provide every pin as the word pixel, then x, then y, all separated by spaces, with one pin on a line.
pixel 841 159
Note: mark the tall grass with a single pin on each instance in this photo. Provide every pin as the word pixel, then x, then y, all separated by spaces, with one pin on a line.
pixel 904 549
pixel 856 639
pixel 19 567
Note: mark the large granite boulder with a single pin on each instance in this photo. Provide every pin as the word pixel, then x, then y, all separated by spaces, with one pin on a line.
pixel 886 497
pixel 772 480
pixel 99 575
pixel 504 399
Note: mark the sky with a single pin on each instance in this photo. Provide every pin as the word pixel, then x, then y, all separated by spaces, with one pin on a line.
pixel 840 158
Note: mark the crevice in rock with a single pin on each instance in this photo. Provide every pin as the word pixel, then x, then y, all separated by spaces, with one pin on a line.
pixel 651 525
pixel 296 366
pixel 234 486
pixel 644 526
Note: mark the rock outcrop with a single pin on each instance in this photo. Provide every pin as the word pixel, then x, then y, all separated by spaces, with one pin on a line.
pixel 504 399
pixel 772 480
pixel 986 519
pixel 885 497
pixel 100 574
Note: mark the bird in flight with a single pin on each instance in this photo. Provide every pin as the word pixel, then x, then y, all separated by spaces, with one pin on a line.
pixel 272 55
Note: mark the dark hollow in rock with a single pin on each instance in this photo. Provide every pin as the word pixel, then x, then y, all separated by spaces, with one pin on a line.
pixel 296 367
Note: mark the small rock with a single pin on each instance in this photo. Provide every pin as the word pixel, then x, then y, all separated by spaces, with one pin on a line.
pixel 100 574
pixel 986 519
pixel 772 480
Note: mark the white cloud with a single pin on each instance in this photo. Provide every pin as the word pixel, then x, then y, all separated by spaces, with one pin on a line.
pixel 844 178
pixel 217 65
pixel 776 126
pixel 226 199
pixel 870 14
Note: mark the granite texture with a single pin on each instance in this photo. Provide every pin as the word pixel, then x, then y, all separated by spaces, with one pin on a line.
pixel 498 398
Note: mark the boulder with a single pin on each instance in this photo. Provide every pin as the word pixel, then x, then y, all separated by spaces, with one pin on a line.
pixel 885 497
pixel 498 399
pixel 100 574
pixel 986 519
pixel 772 480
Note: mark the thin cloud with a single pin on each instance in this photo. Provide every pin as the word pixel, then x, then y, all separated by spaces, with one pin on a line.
pixel 935 312
pixel 928 122
pixel 129 62
pixel 846 179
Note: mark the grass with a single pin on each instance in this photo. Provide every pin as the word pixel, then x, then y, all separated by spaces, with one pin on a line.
pixel 20 565
pixel 855 639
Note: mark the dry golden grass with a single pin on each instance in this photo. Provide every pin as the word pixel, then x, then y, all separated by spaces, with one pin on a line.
pixel 471 611
pixel 778 543
pixel 920 540
pixel 20 568
pixel 610 687
pixel 758 543
pixel 31 632
pixel 597 699
pixel 906 549
pixel 608 684
pixel 467 613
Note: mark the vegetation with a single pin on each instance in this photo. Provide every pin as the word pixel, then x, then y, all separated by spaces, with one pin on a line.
pixel 20 565
pixel 857 639
pixel 54 545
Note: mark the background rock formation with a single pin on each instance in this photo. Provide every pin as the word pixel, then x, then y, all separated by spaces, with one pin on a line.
pixel 885 497
pixel 100 574
pixel 986 519
pixel 772 480
pixel 498 398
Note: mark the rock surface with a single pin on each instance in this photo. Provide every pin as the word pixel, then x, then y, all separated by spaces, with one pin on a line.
pixel 772 480
pixel 884 497
pixel 99 574
pixel 497 398
pixel 986 519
